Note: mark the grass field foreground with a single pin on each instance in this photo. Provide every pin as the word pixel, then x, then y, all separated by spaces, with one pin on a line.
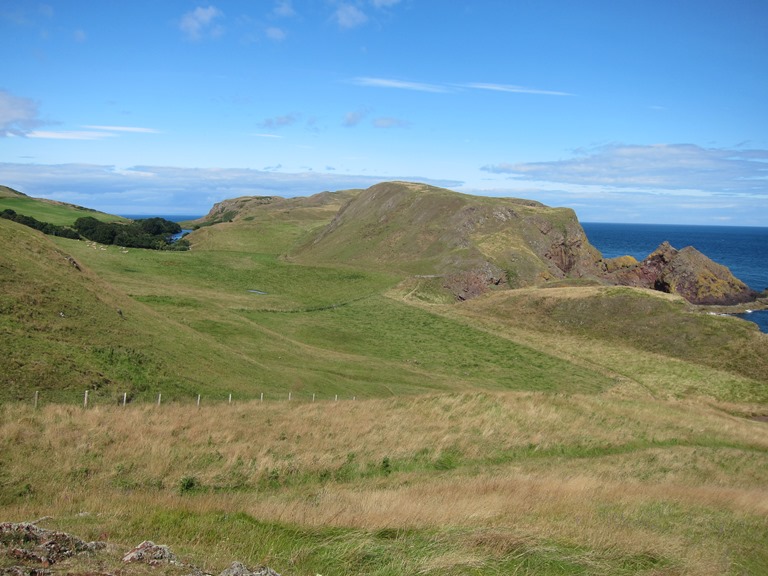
pixel 446 484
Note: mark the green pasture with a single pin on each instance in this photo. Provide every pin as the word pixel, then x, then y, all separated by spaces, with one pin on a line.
pixel 54 213
pixel 322 329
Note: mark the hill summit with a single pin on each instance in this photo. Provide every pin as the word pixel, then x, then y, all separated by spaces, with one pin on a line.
pixel 472 241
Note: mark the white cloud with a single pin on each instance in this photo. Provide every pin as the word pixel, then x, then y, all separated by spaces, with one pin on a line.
pixel 279 121
pixel 387 122
pixel 660 167
pixel 354 118
pixel 90 133
pixel 399 84
pixel 201 22
pixel 349 16
pixel 70 134
pixel 425 87
pixel 18 116
pixel 283 9
pixel 274 33
pixel 513 89
pixel 133 129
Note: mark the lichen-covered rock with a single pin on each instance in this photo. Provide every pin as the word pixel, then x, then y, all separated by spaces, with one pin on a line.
pixel 150 553
pixel 687 273
pixel 614 264
pixel 27 542
pixel 239 569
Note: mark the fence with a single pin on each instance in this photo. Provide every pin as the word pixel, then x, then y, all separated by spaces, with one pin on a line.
pixel 124 399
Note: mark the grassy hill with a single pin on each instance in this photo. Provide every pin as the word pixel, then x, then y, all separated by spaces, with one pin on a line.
pixel 58 213
pixel 234 315
pixel 268 224
pixel 574 429
pixel 424 230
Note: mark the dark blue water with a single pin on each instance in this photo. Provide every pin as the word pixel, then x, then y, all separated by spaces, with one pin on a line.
pixel 171 217
pixel 744 250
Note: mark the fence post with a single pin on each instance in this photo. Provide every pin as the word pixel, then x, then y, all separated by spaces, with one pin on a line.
pixel 262 397
pixel 289 396
pixel 336 399
pixel 198 400
pixel 37 397
pixel 313 397
pixel 230 398
pixel 85 400
pixel 159 398
pixel 125 398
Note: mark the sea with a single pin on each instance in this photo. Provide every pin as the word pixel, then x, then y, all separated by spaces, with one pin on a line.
pixel 171 217
pixel 743 249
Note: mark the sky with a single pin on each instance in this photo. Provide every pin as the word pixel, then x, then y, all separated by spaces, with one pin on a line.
pixel 623 110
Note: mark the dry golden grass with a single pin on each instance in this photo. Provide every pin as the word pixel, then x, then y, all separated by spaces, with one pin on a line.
pixel 500 474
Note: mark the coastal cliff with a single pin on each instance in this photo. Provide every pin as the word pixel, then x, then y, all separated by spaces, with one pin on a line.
pixel 466 245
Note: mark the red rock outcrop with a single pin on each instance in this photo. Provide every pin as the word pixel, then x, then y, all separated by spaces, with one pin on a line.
pixel 687 273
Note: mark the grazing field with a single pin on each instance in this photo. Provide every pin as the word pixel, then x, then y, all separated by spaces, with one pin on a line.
pixel 578 429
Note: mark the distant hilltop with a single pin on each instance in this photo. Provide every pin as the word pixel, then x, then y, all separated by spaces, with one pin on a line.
pixel 465 245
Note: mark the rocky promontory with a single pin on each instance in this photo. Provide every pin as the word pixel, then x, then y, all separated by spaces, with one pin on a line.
pixel 473 244
pixel 687 273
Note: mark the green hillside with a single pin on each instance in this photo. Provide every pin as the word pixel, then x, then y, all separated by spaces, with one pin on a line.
pixel 235 315
pixel 267 224
pixel 424 230
pixel 566 428
pixel 58 213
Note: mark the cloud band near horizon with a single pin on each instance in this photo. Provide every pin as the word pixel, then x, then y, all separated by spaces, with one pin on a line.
pixel 666 166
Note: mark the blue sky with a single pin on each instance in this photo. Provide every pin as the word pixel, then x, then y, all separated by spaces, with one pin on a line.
pixel 625 111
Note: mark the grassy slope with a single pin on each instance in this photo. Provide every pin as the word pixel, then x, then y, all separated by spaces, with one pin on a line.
pixel 58 213
pixel 65 330
pixel 642 338
pixel 421 229
pixel 602 459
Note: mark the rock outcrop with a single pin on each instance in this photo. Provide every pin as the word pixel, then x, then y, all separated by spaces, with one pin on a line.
pixel 29 543
pixel 687 273
pixel 34 550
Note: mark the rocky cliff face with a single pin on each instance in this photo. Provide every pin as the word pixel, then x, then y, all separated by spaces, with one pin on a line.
pixel 687 273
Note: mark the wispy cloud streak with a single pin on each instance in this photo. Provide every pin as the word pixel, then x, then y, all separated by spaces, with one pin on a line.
pixel 444 87
pixel 513 89
pixel 399 84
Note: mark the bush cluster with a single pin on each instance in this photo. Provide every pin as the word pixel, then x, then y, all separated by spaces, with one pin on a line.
pixel 154 233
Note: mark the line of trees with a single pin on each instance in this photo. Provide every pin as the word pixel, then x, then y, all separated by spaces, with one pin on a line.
pixel 152 233
pixel 44 227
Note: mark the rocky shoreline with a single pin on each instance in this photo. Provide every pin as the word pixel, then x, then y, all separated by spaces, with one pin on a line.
pixel 28 550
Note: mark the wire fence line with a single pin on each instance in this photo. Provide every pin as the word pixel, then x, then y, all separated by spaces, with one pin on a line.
pixel 87 399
